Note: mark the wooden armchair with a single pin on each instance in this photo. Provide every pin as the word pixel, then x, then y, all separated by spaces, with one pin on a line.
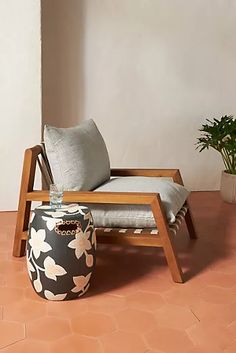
pixel 159 237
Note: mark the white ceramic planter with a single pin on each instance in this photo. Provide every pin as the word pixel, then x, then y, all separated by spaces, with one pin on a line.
pixel 228 187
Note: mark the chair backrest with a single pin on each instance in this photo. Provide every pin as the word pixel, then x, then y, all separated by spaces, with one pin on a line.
pixel 44 166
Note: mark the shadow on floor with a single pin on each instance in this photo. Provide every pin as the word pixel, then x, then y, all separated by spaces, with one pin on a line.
pixel 119 266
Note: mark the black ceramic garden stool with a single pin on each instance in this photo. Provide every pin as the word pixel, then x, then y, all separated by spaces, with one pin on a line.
pixel 61 251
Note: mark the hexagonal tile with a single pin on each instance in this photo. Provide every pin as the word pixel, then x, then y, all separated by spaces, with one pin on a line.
pixel 19 280
pixel 218 279
pixel 217 313
pixel 24 311
pixel 11 266
pixel 133 320
pixel 11 332
pixel 210 335
pixel 175 316
pixel 217 295
pixel 145 300
pixel 155 283
pixel 167 340
pixel 27 346
pixel 182 295
pixel 9 295
pixel 124 290
pixel 93 324
pixel 66 309
pixel 106 303
pixel 205 349
pixel 224 265
pixel 30 294
pixel 48 329
pixel 123 342
pixel 76 343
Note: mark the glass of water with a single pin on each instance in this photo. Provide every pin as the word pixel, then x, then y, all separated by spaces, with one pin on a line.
pixel 56 195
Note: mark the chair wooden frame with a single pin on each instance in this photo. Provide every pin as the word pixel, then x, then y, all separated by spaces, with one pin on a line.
pixel 162 239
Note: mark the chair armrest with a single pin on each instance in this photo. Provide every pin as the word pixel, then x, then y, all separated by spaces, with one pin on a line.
pixel 125 198
pixel 171 173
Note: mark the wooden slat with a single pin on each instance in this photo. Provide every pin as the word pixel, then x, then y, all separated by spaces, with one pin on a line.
pixel 189 224
pixel 143 172
pixel 24 235
pixel 27 183
pixel 117 238
pixel 125 198
pixel 166 240
pixel 140 240
pixel 46 177
pixel 170 173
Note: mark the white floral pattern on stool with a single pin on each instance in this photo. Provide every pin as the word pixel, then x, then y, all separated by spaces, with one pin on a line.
pixel 60 264
pixel 38 243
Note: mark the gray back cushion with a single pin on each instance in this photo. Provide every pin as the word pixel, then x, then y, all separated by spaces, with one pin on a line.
pixel 77 156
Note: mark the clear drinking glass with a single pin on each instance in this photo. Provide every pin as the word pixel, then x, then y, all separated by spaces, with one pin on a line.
pixel 56 195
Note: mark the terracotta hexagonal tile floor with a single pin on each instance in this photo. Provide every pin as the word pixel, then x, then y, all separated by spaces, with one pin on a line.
pixel 48 329
pixel 176 317
pixel 213 335
pixel 27 346
pixel 219 279
pixel 205 349
pixel 19 280
pixel 107 303
pixel 75 343
pixel 132 306
pixel 93 324
pixel 209 312
pixel 123 342
pixel 145 300
pixel 217 295
pixel 66 309
pixel 136 321
pixel 9 295
pixel 24 311
pixel 11 332
pixel 167 340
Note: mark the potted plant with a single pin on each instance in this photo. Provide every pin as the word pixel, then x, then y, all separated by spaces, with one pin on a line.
pixel 221 135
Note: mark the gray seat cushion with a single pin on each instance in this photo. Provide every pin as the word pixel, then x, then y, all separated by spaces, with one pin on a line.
pixel 77 156
pixel 172 195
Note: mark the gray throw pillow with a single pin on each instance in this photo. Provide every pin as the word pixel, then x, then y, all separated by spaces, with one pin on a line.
pixel 77 156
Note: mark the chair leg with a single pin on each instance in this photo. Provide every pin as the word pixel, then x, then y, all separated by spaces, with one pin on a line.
pixel 22 222
pixel 167 243
pixel 27 182
pixel 172 259
pixel 190 225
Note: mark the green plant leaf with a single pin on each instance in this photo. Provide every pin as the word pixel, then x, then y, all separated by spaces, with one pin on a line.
pixel 220 134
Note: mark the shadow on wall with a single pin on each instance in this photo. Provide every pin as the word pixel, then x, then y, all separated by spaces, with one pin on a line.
pixel 62 62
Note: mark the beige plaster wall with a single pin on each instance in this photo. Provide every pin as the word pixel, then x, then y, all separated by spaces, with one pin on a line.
pixel 148 71
pixel 20 91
